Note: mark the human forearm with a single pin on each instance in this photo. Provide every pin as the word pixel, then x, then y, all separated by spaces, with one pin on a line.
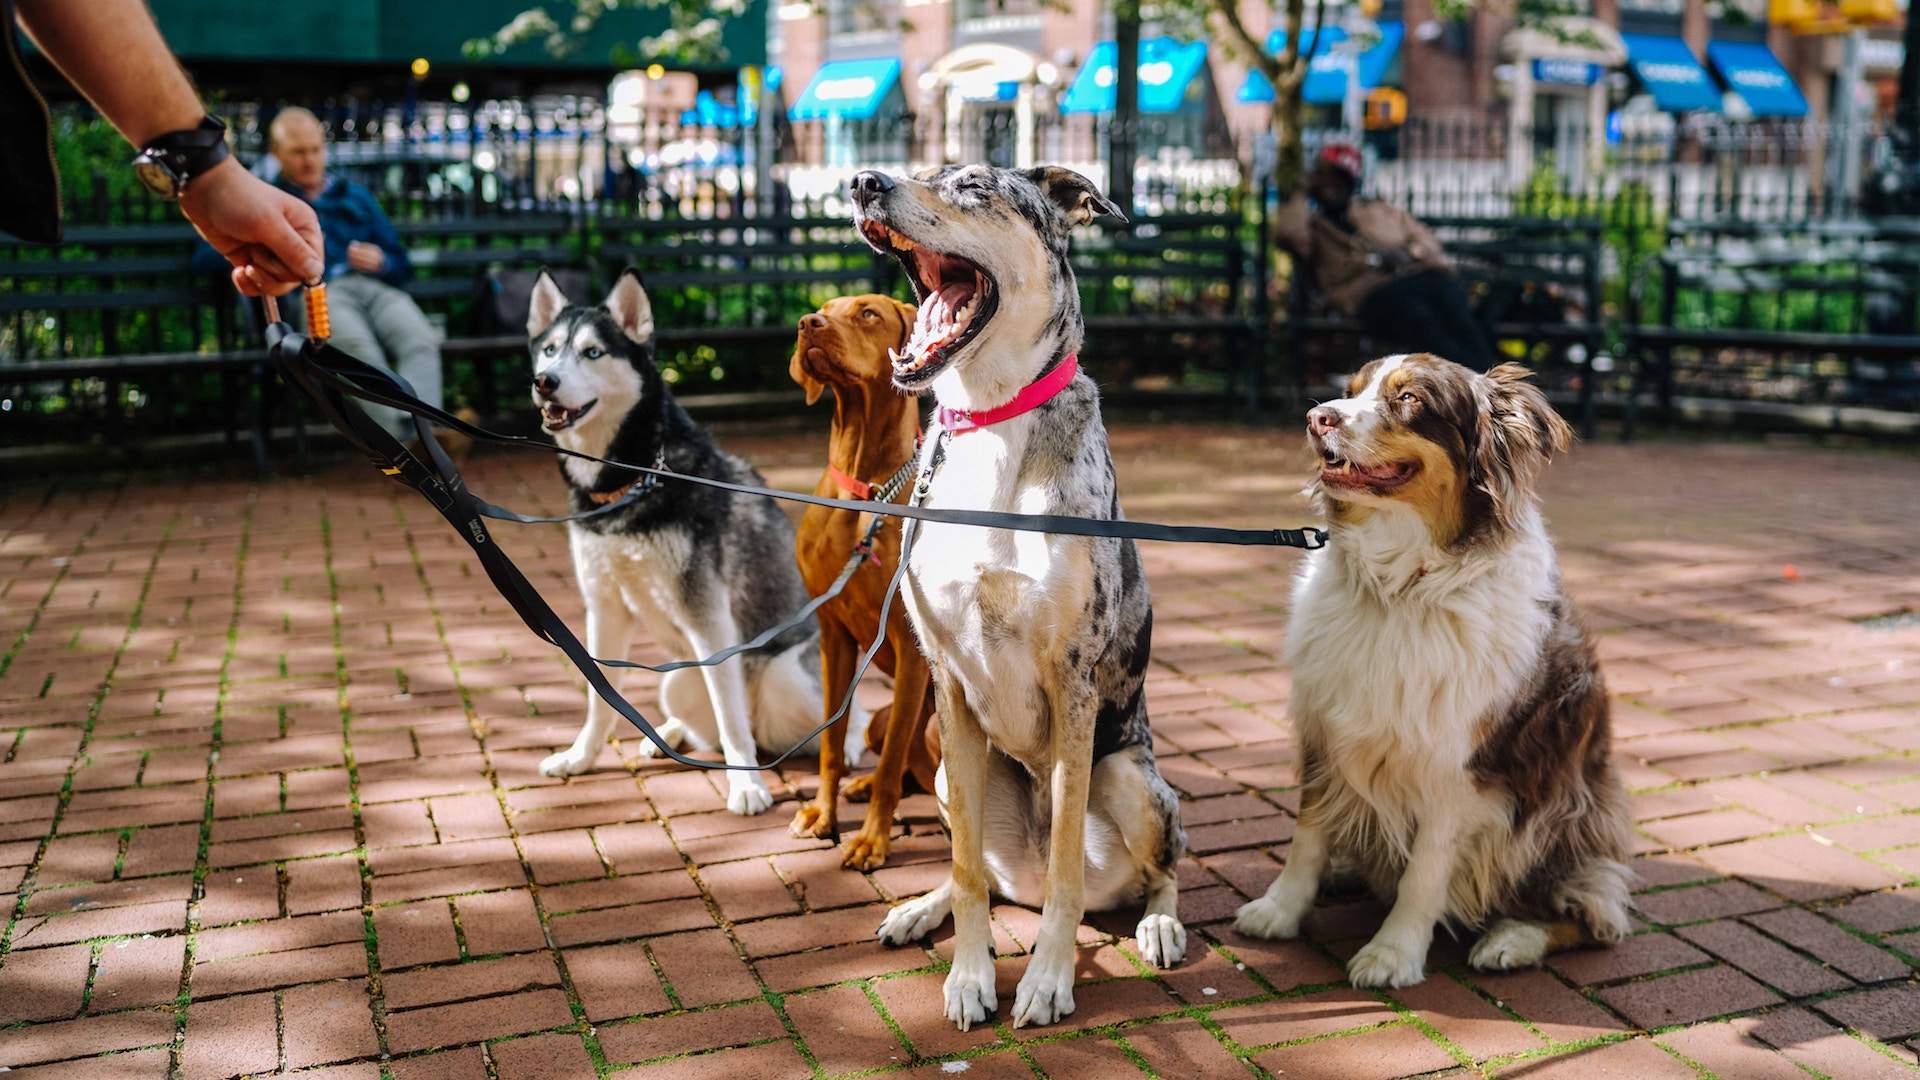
pixel 112 51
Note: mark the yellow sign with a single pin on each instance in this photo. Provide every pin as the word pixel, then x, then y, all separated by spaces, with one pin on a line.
pixel 1807 17
pixel 1869 12
pixel 1385 108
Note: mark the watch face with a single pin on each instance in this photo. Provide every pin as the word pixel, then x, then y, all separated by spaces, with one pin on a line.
pixel 157 177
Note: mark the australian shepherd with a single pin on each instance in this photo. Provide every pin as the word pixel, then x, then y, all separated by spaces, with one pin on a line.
pixel 1449 710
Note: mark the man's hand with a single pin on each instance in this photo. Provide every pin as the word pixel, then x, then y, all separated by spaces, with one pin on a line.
pixel 271 238
pixel 366 258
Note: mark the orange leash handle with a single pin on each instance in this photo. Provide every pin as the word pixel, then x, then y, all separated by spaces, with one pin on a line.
pixel 319 325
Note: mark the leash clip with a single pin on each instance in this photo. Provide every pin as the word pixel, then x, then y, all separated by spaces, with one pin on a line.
pixel 1313 539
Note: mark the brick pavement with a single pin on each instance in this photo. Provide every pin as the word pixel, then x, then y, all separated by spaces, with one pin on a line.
pixel 268 797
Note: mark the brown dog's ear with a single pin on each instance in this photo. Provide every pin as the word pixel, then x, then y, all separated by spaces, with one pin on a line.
pixel 908 313
pixel 797 371
pixel 1518 434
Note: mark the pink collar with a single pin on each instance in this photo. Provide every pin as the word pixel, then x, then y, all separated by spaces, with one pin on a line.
pixel 1032 396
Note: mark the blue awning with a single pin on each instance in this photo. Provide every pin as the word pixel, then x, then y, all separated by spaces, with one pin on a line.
pixel 852 89
pixel 1753 72
pixel 1671 73
pixel 1326 69
pixel 1167 68
pixel 708 111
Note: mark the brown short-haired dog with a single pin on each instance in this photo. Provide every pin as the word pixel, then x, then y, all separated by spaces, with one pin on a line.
pixel 844 346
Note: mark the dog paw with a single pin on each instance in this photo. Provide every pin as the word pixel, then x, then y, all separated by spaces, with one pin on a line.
pixel 1045 994
pixel 858 789
pixel 866 850
pixel 1161 939
pixel 811 820
pixel 1267 918
pixel 673 733
pixel 572 761
pixel 1387 965
pixel 913 920
pixel 969 994
pixel 748 796
pixel 1507 945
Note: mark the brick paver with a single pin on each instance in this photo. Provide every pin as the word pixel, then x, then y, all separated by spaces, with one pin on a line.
pixel 269 799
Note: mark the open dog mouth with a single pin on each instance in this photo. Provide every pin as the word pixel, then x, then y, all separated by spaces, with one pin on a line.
pixel 1341 472
pixel 557 417
pixel 957 298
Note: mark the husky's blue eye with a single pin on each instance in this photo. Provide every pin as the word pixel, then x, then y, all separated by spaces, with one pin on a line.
pixel 550 350
pixel 593 352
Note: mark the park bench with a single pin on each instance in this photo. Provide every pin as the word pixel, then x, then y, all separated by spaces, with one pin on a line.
pixel 116 315
pixel 1536 283
pixel 1814 323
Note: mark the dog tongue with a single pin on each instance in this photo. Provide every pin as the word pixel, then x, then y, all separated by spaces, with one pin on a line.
pixel 954 294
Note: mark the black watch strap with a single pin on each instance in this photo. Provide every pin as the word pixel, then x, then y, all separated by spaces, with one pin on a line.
pixel 189 153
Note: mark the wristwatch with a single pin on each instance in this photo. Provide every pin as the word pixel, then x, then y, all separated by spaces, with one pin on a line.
pixel 170 162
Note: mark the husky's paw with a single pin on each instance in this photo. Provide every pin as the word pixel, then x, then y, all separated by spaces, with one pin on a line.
pixel 1509 944
pixel 1266 917
pixel 572 761
pixel 969 992
pixel 1385 964
pixel 673 732
pixel 914 920
pixel 747 795
pixel 1045 993
pixel 1162 940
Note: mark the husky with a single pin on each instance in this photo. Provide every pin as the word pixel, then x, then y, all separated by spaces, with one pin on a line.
pixel 1038 643
pixel 702 568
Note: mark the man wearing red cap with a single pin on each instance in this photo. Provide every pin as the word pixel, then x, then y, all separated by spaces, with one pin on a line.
pixel 1379 264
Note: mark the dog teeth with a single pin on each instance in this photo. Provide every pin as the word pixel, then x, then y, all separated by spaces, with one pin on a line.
pixel 900 243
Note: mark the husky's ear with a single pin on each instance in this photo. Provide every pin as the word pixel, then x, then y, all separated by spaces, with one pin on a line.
pixel 630 307
pixel 546 304
pixel 1074 194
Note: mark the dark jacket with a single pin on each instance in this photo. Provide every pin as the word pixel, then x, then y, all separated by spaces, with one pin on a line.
pixel 348 212
pixel 29 183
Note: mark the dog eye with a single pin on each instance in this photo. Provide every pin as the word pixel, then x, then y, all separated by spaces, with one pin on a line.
pixel 869 313
pixel 1410 397
pixel 551 349
pixel 593 352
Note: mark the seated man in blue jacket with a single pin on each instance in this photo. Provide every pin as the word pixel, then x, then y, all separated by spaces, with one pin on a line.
pixel 373 319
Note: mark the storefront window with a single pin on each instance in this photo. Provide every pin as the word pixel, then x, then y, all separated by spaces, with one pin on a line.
pixel 861 16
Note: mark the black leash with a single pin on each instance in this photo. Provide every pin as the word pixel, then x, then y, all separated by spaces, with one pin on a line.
pixel 327 365
pixel 443 487
pixel 330 377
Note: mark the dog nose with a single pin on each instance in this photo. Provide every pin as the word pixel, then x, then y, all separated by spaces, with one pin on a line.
pixel 1322 419
pixel 870 184
pixel 813 321
pixel 546 383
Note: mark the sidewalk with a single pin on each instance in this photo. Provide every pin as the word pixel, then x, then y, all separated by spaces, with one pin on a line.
pixel 302 831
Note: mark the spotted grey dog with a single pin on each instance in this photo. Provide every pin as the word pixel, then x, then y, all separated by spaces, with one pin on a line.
pixel 1038 643
pixel 703 568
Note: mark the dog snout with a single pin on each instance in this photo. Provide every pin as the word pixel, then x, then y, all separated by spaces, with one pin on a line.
pixel 870 184
pixel 813 321
pixel 1323 419
pixel 546 384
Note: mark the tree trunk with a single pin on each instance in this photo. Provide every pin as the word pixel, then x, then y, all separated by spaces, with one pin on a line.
pixel 1906 103
pixel 1122 143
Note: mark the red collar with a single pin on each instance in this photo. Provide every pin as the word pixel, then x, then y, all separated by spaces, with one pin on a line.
pixel 857 488
pixel 1032 396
